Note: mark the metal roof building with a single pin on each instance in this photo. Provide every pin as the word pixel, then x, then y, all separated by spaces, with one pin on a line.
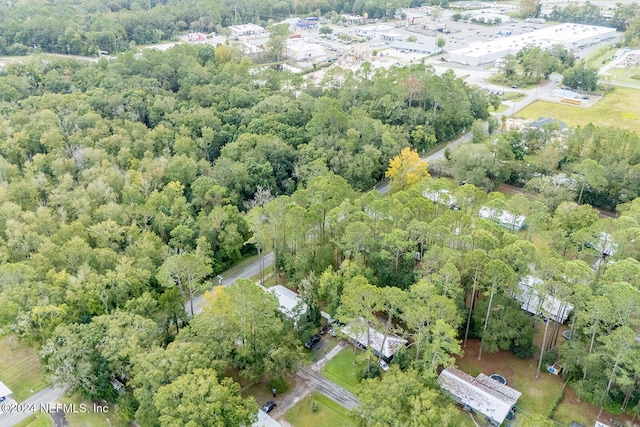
pixel 291 304
pixel 571 36
pixel 487 396
pixel 529 296
pixel 503 218
pixel 375 338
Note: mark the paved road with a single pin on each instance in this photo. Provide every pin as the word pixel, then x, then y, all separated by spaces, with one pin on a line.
pixel 328 388
pixel 230 277
pixel 31 405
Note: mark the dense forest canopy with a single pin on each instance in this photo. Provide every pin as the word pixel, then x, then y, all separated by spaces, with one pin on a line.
pixel 126 185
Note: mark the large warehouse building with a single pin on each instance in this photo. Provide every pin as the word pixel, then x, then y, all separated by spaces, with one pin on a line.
pixel 571 36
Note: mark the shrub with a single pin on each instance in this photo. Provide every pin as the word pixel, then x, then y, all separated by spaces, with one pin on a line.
pixel 372 372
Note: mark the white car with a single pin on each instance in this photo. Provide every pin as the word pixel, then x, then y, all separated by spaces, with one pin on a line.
pixel 383 365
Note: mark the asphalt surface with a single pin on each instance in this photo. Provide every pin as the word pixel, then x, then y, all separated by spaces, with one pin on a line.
pixel 35 404
pixel 228 278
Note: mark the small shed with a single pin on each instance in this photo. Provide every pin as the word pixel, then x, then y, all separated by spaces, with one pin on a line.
pixel 554 369
pixel 489 397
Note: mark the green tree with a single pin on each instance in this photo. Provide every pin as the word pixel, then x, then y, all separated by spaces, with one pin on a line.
pixel 590 174
pixel 413 403
pixel 581 77
pixel 199 399
pixel 186 271
pixel 277 39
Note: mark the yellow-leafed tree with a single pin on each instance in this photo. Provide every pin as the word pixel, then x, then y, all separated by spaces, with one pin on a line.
pixel 406 169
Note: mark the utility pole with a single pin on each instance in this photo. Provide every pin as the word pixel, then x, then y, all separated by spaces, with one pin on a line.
pixel 235 14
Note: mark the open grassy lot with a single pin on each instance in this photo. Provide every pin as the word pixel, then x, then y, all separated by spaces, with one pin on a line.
pixel 537 394
pixel 262 393
pixel 619 108
pixel 343 372
pixel 37 420
pixel 328 413
pixel 20 368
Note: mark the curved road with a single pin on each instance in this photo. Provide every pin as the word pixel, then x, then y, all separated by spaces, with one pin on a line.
pixel 229 277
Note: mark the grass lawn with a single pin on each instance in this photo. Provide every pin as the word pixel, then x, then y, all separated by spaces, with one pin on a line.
pixel 261 391
pixel 537 394
pixel 619 108
pixel 512 96
pixel 343 372
pixel 328 414
pixel 91 418
pixel 464 419
pixel 501 108
pixel 37 420
pixel 569 410
pixel 20 368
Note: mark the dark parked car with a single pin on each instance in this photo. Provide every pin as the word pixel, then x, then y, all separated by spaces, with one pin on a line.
pixel 312 341
pixel 268 407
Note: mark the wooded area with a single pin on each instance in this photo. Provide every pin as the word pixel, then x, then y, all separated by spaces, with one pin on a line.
pixel 128 184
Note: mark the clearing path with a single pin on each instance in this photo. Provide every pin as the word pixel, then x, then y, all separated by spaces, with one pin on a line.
pixel 328 388
pixel 330 355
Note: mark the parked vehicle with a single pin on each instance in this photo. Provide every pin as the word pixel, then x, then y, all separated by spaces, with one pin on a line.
pixel 384 365
pixel 312 341
pixel 268 407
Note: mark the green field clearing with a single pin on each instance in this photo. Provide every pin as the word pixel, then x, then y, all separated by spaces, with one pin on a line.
pixel 20 368
pixel 328 413
pixel 343 372
pixel 36 420
pixel 537 394
pixel 619 108
pixel 91 418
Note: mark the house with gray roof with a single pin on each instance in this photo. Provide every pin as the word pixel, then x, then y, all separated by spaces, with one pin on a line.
pixel 482 394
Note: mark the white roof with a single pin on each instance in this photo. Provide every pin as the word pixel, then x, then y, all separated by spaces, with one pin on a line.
pixel 264 420
pixel 482 394
pixel 558 310
pixel 605 244
pixel 440 196
pixel 503 218
pixel 288 300
pixel 568 35
pixel 391 344
pixel 4 390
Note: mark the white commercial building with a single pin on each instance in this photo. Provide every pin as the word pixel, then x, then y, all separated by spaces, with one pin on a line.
pixel 374 31
pixel 246 30
pixel 571 36
pixel 298 49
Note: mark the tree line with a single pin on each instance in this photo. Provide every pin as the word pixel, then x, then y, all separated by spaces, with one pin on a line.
pixel 87 27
